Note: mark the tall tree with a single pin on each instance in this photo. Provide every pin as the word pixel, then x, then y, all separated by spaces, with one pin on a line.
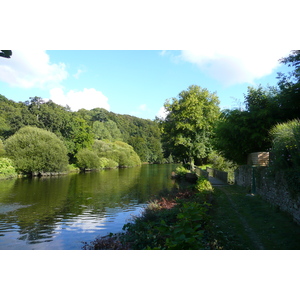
pixel 289 85
pixel 239 133
pixel 189 124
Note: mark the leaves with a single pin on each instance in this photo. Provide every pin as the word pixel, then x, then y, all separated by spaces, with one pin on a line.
pixel 189 123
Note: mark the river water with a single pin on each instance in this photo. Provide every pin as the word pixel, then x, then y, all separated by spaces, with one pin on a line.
pixel 60 213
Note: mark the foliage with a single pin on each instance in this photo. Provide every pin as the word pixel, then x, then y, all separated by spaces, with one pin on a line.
pixel 78 129
pixel 239 133
pixel 289 85
pixel 203 185
pixel 2 150
pixel 188 127
pixel 107 163
pixel 218 162
pixel 178 227
pixel 286 145
pixel 181 171
pixel 6 168
pixel 118 151
pixel 87 159
pixel 35 150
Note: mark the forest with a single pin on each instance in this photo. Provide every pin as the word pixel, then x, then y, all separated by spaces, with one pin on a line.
pixel 38 136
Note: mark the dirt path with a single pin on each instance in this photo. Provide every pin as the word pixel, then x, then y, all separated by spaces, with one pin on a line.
pixel 251 233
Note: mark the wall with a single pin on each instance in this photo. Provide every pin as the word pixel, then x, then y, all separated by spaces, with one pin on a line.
pixel 273 189
pixel 218 174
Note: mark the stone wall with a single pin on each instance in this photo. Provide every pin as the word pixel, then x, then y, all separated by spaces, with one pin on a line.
pixel 218 174
pixel 201 172
pixel 273 189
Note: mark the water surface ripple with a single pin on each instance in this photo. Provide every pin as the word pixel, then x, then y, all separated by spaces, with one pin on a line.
pixel 63 212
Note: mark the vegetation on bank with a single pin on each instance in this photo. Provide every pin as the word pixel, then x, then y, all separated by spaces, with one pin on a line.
pixel 174 221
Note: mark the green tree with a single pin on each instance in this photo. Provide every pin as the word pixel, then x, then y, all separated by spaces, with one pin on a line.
pixel 87 159
pixel 239 133
pixel 2 151
pixel 188 127
pixel 35 150
pixel 114 131
pixel 100 131
pixel 6 53
pixel 289 85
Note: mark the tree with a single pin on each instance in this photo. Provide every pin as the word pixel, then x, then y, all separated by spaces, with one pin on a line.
pixel 239 133
pixel 6 53
pixel 289 85
pixel 35 150
pixel 188 127
pixel 100 131
pixel 87 159
pixel 2 151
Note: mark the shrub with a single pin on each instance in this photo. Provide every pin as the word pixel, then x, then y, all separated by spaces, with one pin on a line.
pixel 119 152
pixel 285 145
pixel 87 159
pixel 203 185
pixel 2 151
pixel 220 163
pixel 34 150
pixel 107 163
pixel 181 171
pixel 6 168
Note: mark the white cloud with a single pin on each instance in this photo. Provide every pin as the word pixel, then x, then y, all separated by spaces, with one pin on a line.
pixel 234 66
pixel 162 113
pixel 31 68
pixel 88 98
pixel 76 75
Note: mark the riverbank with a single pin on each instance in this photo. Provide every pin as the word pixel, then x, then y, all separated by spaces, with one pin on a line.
pixel 175 220
pixel 225 218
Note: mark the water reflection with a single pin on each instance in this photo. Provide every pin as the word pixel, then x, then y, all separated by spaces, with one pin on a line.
pixel 61 212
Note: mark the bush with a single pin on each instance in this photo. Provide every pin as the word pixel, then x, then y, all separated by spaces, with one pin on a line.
pixel 203 185
pixel 220 163
pixel 119 152
pixel 6 168
pixel 34 150
pixel 181 171
pixel 285 146
pixel 107 163
pixel 87 159
pixel 2 151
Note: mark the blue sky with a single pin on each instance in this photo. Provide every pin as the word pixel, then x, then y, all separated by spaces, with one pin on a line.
pixel 134 82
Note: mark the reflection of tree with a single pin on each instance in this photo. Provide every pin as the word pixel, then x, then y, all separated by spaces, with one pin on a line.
pixel 45 198
pixel 52 201
pixel 107 188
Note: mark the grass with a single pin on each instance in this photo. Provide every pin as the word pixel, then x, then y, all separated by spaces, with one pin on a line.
pixel 197 217
pixel 241 222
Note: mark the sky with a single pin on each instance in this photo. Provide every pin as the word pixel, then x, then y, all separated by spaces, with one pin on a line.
pixel 135 82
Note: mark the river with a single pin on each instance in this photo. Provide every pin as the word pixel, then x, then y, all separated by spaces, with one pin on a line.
pixel 60 213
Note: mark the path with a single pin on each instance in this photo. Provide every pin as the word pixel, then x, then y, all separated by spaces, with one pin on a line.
pixel 251 233
pixel 216 182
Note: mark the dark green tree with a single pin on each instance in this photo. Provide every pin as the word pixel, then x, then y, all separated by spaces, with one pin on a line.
pixel 6 53
pixel 239 133
pixel 289 85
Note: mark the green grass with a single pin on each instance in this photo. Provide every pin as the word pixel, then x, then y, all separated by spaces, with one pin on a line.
pixel 245 222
